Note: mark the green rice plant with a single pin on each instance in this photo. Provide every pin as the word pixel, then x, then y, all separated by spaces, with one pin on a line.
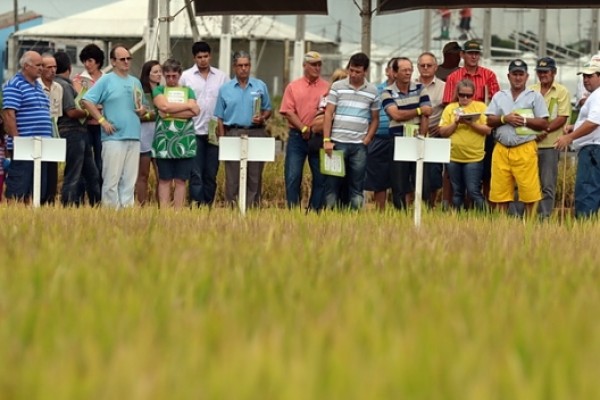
pixel 202 304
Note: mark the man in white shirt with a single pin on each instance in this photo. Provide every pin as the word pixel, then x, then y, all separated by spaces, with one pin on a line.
pixel 205 80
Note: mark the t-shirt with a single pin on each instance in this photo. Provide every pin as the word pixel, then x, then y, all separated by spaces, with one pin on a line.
pixel 174 137
pixel 117 94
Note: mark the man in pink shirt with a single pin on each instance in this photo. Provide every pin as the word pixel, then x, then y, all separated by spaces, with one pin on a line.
pixel 300 103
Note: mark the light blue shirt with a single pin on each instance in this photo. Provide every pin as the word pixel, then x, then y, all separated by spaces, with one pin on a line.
pixel 116 94
pixel 502 103
pixel 235 105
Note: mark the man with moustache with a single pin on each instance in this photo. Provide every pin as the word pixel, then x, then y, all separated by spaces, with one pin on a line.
pixel 515 159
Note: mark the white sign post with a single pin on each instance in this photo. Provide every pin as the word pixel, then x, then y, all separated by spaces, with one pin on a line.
pixel 38 149
pixel 244 150
pixel 421 150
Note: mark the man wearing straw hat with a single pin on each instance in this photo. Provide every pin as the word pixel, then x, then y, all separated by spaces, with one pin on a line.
pixel 584 137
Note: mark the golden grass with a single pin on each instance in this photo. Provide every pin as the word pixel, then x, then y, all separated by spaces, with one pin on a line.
pixel 149 304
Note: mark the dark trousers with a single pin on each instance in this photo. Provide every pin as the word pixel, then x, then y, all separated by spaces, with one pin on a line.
pixel 203 179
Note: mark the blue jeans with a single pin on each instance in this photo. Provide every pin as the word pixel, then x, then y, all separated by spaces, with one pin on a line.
pixel 295 154
pixel 587 182
pixel 203 179
pixel 355 160
pixel 466 176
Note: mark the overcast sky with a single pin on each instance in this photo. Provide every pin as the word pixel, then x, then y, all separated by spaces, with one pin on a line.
pixel 398 30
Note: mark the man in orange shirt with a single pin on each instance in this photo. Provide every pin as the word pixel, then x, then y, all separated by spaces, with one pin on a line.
pixel 299 106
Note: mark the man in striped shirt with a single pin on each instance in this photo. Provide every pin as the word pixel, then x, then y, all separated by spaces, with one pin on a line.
pixel 408 105
pixel 26 111
pixel 350 121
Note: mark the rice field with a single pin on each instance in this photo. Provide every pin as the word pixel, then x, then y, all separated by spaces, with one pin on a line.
pixel 206 304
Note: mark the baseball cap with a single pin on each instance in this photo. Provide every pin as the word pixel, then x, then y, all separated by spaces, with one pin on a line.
pixel 545 64
pixel 312 57
pixel 471 46
pixel 591 67
pixel 451 47
pixel 517 65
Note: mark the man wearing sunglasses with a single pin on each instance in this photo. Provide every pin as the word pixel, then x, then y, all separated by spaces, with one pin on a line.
pixel 518 114
pixel 121 96
pixel 584 137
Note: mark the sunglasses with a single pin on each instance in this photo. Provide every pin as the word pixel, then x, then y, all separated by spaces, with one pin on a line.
pixel 465 95
pixel 123 59
pixel 425 65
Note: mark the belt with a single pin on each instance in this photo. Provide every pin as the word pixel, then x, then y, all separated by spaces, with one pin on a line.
pixel 228 127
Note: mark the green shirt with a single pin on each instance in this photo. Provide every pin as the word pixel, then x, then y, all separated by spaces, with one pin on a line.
pixel 174 137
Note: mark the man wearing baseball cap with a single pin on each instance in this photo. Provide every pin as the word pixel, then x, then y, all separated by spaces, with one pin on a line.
pixel 584 137
pixel 299 106
pixel 518 114
pixel 486 86
pixel 558 101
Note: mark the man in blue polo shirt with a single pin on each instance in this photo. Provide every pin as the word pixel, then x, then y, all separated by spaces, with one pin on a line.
pixel 243 106
pixel 26 111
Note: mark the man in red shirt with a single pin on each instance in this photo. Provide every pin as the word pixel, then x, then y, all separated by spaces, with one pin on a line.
pixel 299 106
pixel 486 86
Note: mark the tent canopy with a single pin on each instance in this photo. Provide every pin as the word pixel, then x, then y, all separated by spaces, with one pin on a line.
pixel 260 7
pixel 394 6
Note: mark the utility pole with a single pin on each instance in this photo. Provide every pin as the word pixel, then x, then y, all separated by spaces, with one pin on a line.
pixel 16 14
pixel 299 45
pixel 594 33
pixel 426 29
pixel 487 33
pixel 164 22
pixel 225 45
pixel 542 35
pixel 366 16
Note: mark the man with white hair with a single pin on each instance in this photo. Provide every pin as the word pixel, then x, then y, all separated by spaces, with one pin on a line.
pixel 584 137
pixel 26 112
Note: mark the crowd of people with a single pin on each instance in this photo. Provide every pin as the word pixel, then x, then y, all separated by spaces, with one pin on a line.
pixel 505 143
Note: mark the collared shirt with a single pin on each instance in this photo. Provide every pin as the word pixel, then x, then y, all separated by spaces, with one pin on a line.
pixel 486 84
pixel 303 97
pixel 353 109
pixel 31 105
pixel 502 103
pixel 66 124
pixel 558 100
pixel 54 93
pixel 589 112
pixel 415 97
pixel 435 90
pixel 235 105
pixel 206 90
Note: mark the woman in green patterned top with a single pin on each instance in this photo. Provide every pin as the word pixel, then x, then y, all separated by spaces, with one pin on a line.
pixel 174 144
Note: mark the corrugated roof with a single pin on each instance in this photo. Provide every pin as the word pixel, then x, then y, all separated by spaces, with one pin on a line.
pixel 127 19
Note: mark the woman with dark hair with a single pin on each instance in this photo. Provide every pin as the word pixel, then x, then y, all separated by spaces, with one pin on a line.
pixel 174 144
pixel 92 58
pixel 150 78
